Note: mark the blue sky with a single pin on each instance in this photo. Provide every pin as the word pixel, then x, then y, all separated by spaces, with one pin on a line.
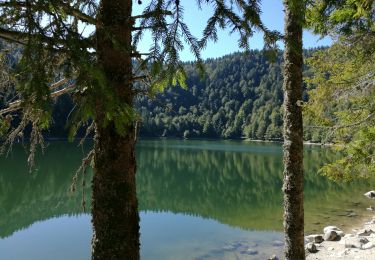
pixel 272 16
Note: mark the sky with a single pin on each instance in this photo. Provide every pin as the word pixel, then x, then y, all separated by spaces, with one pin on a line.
pixel 272 16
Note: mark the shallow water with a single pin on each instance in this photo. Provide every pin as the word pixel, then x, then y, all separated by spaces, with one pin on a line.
pixel 197 200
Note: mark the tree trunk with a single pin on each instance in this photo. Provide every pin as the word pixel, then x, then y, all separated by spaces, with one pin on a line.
pixel 114 203
pixel 293 132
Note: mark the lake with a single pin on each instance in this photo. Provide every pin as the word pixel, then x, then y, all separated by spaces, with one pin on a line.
pixel 197 200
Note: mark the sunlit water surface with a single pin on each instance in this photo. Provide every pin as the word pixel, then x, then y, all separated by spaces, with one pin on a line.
pixel 197 200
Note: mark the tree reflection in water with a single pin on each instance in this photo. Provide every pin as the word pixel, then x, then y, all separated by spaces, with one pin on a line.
pixel 235 183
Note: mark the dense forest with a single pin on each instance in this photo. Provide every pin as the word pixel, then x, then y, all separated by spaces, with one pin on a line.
pixel 239 96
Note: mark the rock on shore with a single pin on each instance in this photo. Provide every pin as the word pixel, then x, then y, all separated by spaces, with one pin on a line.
pixel 358 245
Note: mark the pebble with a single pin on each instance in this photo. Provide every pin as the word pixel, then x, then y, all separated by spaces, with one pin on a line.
pixel 365 232
pixel 370 194
pixel 315 238
pixel 368 245
pixel 345 252
pixel 326 229
pixel 355 242
pixel 311 247
pixel 277 243
pixel 330 235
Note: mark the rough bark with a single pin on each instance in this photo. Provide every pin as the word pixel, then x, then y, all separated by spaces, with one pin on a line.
pixel 114 203
pixel 293 132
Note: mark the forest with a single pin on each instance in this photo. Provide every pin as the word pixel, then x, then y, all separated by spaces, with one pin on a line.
pixel 80 70
pixel 239 96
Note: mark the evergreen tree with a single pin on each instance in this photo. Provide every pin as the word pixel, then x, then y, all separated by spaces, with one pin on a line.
pixel 342 81
pixel 100 69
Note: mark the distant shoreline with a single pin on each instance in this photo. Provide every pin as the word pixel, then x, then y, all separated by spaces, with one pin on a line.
pixel 280 141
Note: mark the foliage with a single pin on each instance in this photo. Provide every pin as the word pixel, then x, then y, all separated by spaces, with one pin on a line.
pixel 57 46
pixel 341 17
pixel 240 96
pixel 342 103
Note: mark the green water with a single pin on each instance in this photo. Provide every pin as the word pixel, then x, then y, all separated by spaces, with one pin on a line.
pixel 197 200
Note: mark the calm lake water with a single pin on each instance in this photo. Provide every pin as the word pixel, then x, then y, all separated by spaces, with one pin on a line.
pixel 197 200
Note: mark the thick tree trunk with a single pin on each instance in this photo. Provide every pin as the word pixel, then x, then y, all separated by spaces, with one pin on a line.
pixel 293 132
pixel 114 203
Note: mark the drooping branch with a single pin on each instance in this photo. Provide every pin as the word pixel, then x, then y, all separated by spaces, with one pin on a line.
pixel 63 91
pixel 13 36
pixel 69 10
pixel 21 38
pixel 16 105
pixel 58 83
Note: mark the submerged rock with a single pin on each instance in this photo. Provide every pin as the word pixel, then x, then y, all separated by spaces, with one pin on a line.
pixel 370 194
pixel 277 243
pixel 249 252
pixel 311 247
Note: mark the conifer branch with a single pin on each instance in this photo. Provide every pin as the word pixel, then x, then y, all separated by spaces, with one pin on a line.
pixel 139 54
pixel 65 7
pixel 21 38
pixel 13 36
pixel 138 78
pixel 14 106
pixel 152 14
pixel 140 28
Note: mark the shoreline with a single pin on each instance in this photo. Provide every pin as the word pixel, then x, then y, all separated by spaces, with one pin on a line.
pixel 359 243
pixel 278 141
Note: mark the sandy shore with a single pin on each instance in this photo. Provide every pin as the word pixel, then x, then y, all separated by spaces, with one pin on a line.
pixel 344 248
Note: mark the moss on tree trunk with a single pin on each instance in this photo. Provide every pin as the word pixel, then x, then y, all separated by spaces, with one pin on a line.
pixel 293 132
pixel 115 215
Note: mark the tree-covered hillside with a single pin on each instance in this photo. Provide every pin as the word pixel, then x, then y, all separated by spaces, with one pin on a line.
pixel 239 96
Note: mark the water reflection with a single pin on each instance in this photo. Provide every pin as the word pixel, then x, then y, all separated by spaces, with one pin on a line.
pixel 237 184
pixel 240 184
